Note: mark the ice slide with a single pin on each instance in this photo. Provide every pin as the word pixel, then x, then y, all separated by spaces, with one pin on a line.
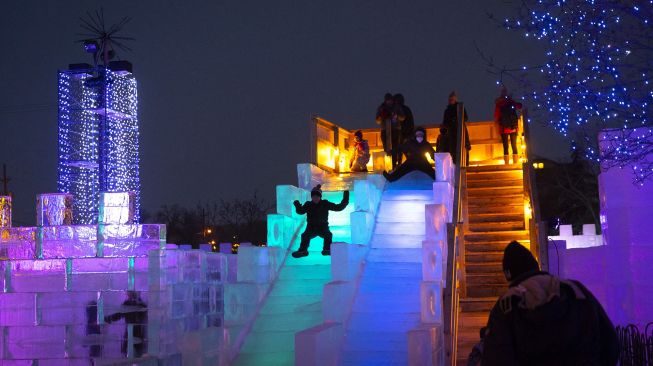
pixel 375 301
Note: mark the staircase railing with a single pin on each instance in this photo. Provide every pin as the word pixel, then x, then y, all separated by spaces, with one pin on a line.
pixel 536 227
pixel 455 247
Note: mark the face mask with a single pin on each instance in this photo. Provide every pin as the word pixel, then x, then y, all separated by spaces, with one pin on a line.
pixel 419 139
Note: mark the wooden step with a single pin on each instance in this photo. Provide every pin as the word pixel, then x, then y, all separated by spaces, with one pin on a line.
pixel 496 208
pixel 491 246
pixel 515 176
pixel 496 236
pixel 496 191
pixel 486 290
pixel 497 217
pixel 481 305
pixel 496 226
pixel 480 279
pixel 508 199
pixel 484 268
pixel 494 168
pixel 483 257
pixel 483 183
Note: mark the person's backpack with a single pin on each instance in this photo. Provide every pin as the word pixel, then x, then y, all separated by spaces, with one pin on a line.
pixel 509 115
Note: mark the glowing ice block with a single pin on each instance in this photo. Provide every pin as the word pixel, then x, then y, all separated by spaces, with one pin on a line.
pixel 29 342
pixel 431 302
pixel 337 300
pixel 5 211
pixel 362 223
pixel 309 175
pixel 443 194
pixel 319 345
pixel 346 260
pixel 47 275
pixel 425 346
pixel 436 222
pixel 276 230
pixel 68 241
pixel 54 209
pixel 566 230
pixel 130 240
pixel 432 260
pixel 17 309
pixel 286 195
pixel 117 208
pixel 443 167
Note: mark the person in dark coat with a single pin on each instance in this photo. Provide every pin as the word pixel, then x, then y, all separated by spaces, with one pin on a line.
pixel 405 118
pixel 449 129
pixel 317 220
pixel 544 320
pixel 415 151
pixel 505 116
pixel 134 311
pixel 387 117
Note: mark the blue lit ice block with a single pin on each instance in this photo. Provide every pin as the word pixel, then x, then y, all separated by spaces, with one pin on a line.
pixel 117 208
pixel 54 209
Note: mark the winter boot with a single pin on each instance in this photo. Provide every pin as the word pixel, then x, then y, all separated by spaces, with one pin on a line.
pixel 506 159
pixel 300 253
pixel 326 251
pixel 515 159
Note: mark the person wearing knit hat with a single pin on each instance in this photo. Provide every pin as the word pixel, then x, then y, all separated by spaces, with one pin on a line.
pixel 317 220
pixel 415 150
pixel 545 320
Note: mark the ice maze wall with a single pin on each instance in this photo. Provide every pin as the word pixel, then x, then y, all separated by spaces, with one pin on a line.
pixel 112 293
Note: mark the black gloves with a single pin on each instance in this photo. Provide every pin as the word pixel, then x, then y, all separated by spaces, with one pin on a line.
pixel 297 204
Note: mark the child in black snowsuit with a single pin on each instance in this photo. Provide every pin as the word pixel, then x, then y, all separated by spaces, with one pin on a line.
pixel 317 218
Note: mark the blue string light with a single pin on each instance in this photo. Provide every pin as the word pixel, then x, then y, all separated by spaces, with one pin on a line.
pixel 595 74
pixel 98 138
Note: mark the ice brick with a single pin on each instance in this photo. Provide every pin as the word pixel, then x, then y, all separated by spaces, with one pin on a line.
pixel 17 309
pixel 431 302
pixel 362 223
pixel 436 222
pixel 425 346
pixel 443 167
pixel 276 230
pixel 432 260
pixel 346 260
pixel 566 230
pixel 35 342
pixel 47 275
pixel 65 308
pixel 318 345
pixel 54 209
pixel 443 194
pixel 216 268
pixel 117 208
pixel 286 195
pixel 309 175
pixel 337 300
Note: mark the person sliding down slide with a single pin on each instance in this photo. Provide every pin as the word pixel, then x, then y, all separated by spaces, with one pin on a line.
pixel 317 218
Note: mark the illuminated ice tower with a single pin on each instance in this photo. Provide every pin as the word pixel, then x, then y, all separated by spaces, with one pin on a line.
pixel 98 136
pixel 98 122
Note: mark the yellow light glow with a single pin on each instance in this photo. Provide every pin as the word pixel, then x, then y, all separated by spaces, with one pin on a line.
pixel 209 231
pixel 428 158
pixel 528 212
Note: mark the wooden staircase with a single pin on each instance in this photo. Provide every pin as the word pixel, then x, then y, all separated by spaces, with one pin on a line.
pixel 493 209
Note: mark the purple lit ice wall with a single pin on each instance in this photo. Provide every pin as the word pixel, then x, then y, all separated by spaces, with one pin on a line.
pixel 619 272
pixel 70 294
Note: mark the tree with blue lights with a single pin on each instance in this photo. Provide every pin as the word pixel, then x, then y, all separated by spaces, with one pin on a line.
pixel 595 73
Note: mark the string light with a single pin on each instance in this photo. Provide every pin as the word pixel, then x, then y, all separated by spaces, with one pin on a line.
pixel 595 75
pixel 98 138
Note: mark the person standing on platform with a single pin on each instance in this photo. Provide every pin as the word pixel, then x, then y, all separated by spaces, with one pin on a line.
pixel 449 129
pixel 405 118
pixel 317 219
pixel 361 155
pixel 386 117
pixel 506 116
pixel 415 150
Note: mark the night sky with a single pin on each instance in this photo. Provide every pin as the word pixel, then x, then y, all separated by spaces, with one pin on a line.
pixel 226 88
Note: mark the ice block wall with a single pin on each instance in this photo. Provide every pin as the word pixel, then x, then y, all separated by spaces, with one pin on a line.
pixel 70 294
pixel 587 239
pixel 619 272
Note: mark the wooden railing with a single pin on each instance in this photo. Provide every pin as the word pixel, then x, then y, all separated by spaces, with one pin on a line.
pixel 536 228
pixel 455 271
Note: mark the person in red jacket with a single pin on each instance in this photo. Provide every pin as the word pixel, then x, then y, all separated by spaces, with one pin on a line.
pixel 361 153
pixel 506 116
